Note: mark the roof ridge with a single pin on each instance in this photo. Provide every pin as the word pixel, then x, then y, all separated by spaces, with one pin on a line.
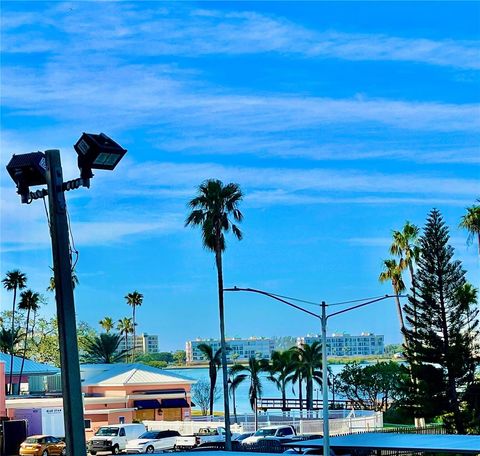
pixel 134 371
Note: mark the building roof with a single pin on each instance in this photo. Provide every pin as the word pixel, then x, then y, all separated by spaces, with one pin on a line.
pixel 123 374
pixel 30 367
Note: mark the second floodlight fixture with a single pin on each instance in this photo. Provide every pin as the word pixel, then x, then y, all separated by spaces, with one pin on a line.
pixel 97 152
pixel 27 170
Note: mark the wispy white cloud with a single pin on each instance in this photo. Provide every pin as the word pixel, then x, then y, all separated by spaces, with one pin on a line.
pixel 126 27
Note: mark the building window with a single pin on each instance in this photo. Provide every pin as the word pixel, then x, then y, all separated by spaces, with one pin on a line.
pixel 88 424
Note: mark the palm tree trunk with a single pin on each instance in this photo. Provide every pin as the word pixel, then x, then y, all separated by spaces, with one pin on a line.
pixel 10 380
pixel 300 392
pixel 24 351
pixel 218 258
pixel 400 315
pixel 309 393
pixel 134 334
pixel 213 381
pixel 284 396
pixel 234 406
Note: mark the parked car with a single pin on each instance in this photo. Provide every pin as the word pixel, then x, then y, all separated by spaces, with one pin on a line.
pixel 280 433
pixel 242 437
pixel 42 445
pixel 204 435
pixel 152 441
pixel 114 438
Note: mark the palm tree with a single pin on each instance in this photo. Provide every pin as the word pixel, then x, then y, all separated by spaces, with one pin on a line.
pixel 393 273
pixel 211 210
pixel 234 380
pixel 13 281
pixel 107 324
pixel 281 369
pixel 253 370
pixel 471 222
pixel 310 357
pixel 134 299
pixel 406 246
pixel 75 282
pixel 214 362
pixel 6 339
pixel 125 327
pixel 103 349
pixel 29 301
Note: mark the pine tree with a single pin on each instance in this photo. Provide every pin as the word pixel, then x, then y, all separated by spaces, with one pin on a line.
pixel 441 351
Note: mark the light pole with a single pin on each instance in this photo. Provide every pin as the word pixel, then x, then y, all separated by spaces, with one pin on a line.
pixel 323 322
pixel 38 168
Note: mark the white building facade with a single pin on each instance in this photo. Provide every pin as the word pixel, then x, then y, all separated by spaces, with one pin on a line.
pixel 344 344
pixel 144 343
pixel 239 349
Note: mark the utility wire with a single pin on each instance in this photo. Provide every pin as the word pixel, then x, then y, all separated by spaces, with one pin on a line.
pixel 354 300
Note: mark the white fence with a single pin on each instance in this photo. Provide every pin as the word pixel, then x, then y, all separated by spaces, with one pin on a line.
pixel 346 425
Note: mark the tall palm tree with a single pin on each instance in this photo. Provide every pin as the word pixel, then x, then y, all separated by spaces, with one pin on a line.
pixel 471 222
pixel 234 381
pixel 134 299
pixel 14 280
pixel 393 272
pixel 75 281
pixel 214 362
pixel 125 327
pixel 107 324
pixel 281 369
pixel 252 370
pixel 310 356
pixel 406 246
pixel 103 349
pixel 211 211
pixel 29 301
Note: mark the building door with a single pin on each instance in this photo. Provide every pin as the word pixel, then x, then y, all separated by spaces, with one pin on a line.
pixel 172 414
pixel 144 414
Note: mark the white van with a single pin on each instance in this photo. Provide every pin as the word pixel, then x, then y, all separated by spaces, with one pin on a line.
pixel 114 437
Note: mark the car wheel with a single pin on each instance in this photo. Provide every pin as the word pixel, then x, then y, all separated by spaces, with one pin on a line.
pixel 116 450
pixel 93 453
pixel 63 452
pixel 150 449
pixel 45 453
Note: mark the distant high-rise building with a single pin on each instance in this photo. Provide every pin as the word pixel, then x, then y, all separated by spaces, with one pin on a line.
pixel 144 343
pixel 239 349
pixel 344 344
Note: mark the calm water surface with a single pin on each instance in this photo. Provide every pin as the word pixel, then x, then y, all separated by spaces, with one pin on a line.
pixel 241 394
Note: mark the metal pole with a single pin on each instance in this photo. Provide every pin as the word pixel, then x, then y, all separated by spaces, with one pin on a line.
pixel 67 328
pixel 326 431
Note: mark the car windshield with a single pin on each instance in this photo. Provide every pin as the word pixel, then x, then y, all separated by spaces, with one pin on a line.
pixel 264 432
pixel 149 435
pixel 111 431
pixel 32 440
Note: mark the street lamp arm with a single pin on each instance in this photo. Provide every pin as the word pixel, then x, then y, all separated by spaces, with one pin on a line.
pixel 265 293
pixel 364 304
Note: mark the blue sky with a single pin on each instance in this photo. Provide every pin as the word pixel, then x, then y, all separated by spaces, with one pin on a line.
pixel 340 121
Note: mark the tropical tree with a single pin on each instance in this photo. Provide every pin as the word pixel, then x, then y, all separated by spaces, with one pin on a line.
pixel 281 368
pixel 310 357
pixel 125 327
pixel 201 395
pixel 211 210
pixel 107 324
pixel 214 362
pixel 234 381
pixel 134 299
pixel 14 280
pixel 442 350
pixel 393 273
pixel 29 301
pixel 103 349
pixel 75 282
pixel 252 371
pixel 6 338
pixel 471 222
pixel 405 245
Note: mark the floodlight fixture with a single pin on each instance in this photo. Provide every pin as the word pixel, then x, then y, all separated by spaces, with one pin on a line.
pixel 97 152
pixel 27 170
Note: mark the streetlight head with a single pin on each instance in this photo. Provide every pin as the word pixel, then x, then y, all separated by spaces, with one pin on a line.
pixel 27 170
pixel 97 152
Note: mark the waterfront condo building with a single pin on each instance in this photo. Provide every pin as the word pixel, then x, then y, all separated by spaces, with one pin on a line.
pixel 144 343
pixel 239 349
pixel 344 344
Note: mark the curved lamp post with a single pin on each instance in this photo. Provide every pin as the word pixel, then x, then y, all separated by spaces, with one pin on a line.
pixel 323 320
